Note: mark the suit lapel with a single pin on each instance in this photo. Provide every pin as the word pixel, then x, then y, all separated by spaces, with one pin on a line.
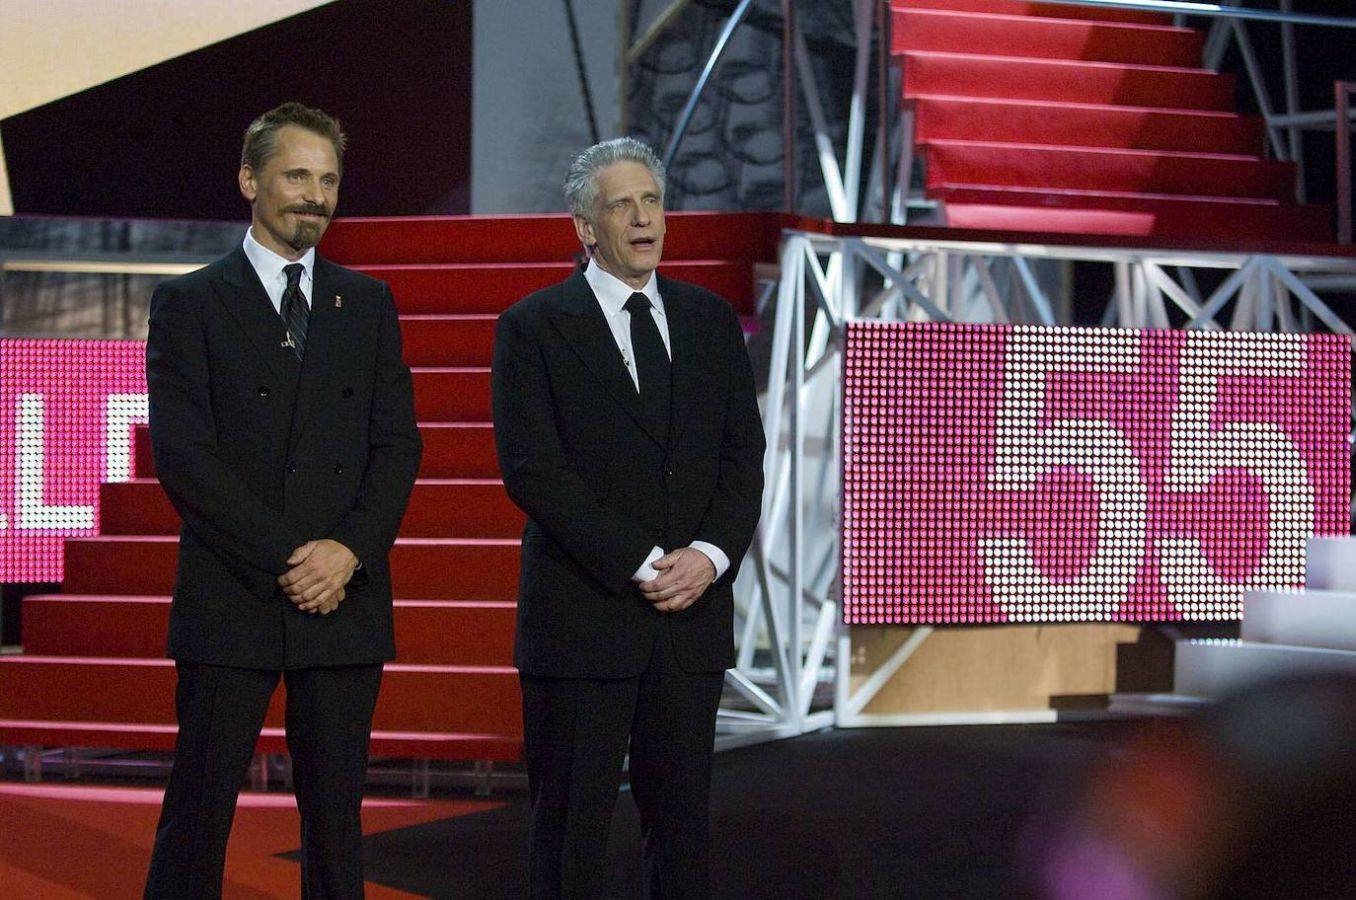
pixel 245 298
pixel 323 332
pixel 685 350
pixel 581 321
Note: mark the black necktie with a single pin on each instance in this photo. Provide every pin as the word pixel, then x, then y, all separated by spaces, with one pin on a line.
pixel 295 311
pixel 652 360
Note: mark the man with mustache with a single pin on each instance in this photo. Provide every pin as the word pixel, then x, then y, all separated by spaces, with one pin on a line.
pixel 628 430
pixel 282 423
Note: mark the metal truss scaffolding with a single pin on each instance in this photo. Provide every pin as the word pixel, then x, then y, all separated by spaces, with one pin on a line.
pixel 794 654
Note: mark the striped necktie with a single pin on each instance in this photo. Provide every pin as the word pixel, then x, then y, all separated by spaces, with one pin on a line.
pixel 296 312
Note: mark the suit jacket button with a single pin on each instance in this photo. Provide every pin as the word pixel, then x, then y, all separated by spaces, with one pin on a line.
pixel 348 392
pixel 338 468
pixel 263 391
pixel 291 468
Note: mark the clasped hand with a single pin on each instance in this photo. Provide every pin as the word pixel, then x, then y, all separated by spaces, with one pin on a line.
pixel 684 575
pixel 320 570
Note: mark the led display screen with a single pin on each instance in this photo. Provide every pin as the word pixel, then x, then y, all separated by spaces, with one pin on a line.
pixel 67 411
pixel 997 473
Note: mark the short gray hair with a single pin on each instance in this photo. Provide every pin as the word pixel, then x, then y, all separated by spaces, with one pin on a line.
pixel 581 183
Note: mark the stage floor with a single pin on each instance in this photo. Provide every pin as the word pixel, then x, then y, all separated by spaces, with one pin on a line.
pixel 923 812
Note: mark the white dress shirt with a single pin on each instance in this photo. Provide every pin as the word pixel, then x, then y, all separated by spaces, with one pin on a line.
pixel 612 294
pixel 269 267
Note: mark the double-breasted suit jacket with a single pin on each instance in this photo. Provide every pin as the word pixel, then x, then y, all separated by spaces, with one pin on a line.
pixel 602 485
pixel 260 453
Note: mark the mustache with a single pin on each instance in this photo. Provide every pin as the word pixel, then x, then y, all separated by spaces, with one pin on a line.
pixel 314 209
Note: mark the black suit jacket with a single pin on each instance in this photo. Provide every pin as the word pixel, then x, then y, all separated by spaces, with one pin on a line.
pixel 260 453
pixel 600 490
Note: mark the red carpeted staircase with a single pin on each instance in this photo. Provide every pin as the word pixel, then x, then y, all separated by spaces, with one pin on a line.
pixel 1047 118
pixel 93 674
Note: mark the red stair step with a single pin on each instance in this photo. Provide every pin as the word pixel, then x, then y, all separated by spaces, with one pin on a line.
pixel 1092 213
pixel 458 450
pixel 62 688
pixel 1033 166
pixel 119 735
pixel 480 288
pixel 134 736
pixel 438 632
pixel 430 745
pixel 421 568
pixel 143 460
pixel 461 508
pixel 537 238
pixel 1050 10
pixel 451 450
pixel 493 287
pixel 384 240
pixel 439 508
pixel 452 394
pixel 421 697
pixel 138 507
pixel 472 633
pixel 979 75
pixel 86 625
pixel 1085 125
pixel 414 698
pixel 955 31
pixel 432 340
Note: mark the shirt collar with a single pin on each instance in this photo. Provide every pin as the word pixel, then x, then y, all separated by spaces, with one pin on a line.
pixel 269 265
pixel 612 292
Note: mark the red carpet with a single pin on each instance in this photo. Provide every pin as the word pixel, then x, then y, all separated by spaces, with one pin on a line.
pixel 74 843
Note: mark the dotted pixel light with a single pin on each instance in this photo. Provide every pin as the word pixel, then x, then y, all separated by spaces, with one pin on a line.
pixel 997 473
pixel 67 410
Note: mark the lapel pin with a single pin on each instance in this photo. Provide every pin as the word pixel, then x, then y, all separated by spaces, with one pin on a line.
pixel 338 302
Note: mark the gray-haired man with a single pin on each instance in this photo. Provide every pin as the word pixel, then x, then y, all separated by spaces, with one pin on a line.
pixel 628 431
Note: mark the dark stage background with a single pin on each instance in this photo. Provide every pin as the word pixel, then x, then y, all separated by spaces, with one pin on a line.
pixel 398 77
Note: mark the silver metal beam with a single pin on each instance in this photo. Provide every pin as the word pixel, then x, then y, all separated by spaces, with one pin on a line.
pixel 1044 311
pixel 852 178
pixel 1290 74
pixel 828 160
pixel 685 117
pixel 882 675
pixel 1315 120
pixel 1259 87
pixel 1306 296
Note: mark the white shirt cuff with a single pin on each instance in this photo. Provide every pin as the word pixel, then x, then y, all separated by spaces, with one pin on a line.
pixel 647 571
pixel 715 554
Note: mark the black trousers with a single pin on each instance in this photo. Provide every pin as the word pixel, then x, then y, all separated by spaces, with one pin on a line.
pixel 575 739
pixel 221 711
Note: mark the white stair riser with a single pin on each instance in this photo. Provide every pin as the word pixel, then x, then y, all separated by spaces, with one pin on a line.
pixel 1331 564
pixel 1312 618
pixel 1213 668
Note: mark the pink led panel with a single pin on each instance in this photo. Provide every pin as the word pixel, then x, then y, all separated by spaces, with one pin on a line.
pixel 67 409
pixel 997 473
